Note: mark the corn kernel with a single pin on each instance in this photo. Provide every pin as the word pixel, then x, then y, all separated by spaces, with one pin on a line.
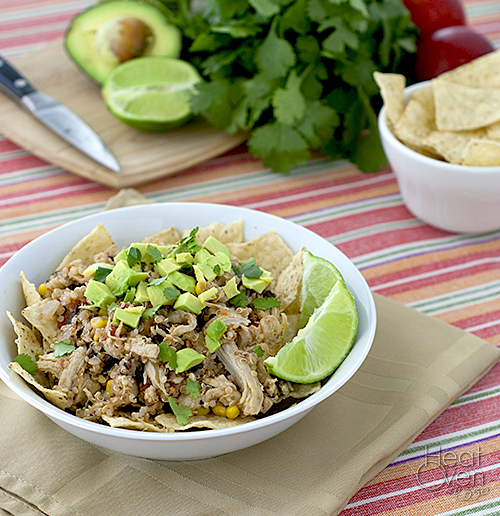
pixel 232 412
pixel 96 337
pixel 98 322
pixel 202 411
pixel 42 289
pixel 200 287
pixel 108 385
pixel 219 410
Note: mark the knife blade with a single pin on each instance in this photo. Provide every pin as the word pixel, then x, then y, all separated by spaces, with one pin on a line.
pixel 56 116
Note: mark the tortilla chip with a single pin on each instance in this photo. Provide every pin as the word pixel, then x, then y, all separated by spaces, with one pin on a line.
pixel 46 326
pixel 302 390
pixel 451 145
pixel 166 236
pixel 425 97
pixel 125 422
pixel 96 241
pixel 293 327
pixel 493 131
pixel 462 108
pixel 58 398
pixel 414 125
pixel 208 422
pixel 269 250
pixel 126 197
pixel 30 292
pixel 225 233
pixel 481 153
pixel 27 341
pixel 477 73
pixel 391 89
pixel 289 283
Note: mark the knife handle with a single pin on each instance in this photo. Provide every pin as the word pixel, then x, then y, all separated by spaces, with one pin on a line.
pixel 12 83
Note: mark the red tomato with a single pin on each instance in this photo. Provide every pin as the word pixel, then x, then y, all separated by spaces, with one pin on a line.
pixel 448 48
pixel 431 15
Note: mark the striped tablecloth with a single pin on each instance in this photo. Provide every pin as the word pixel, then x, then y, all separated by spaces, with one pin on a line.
pixel 452 277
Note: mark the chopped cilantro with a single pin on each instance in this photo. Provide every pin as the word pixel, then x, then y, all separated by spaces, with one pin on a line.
pixel 193 389
pixel 213 334
pixel 101 274
pixel 167 355
pixel 187 244
pixel 26 362
pixel 158 281
pixel 258 350
pixel 251 271
pixel 217 269
pixel 133 256
pixel 240 300
pixel 150 312
pixel 263 303
pixel 171 293
pixel 181 413
pixel 154 253
pixel 63 348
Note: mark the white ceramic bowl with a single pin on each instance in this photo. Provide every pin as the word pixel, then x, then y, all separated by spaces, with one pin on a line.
pixel 39 258
pixel 452 197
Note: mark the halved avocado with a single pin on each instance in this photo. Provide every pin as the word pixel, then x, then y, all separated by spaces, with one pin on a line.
pixel 105 35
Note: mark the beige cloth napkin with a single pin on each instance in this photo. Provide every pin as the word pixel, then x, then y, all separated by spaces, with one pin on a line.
pixel 416 368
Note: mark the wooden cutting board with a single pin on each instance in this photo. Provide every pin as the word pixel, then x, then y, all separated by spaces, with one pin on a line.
pixel 143 156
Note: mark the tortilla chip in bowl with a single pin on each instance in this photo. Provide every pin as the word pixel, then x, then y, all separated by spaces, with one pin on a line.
pixel 444 151
pixel 166 436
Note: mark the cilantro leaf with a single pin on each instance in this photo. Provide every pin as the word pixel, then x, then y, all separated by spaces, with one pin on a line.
pixel 150 312
pixel 133 256
pixel 171 293
pixel 63 348
pixel 181 413
pixel 101 274
pixel 192 389
pixel 275 56
pixel 154 253
pixel 289 103
pixel 263 303
pixel 240 300
pixel 167 355
pixel 258 350
pixel 250 271
pixel 26 362
pixel 158 281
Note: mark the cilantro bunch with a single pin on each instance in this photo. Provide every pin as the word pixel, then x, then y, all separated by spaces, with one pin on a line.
pixel 296 74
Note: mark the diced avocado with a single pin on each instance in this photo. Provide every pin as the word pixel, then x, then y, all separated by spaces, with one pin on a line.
pixel 143 247
pixel 184 258
pixel 187 358
pixel 129 295
pixel 99 294
pixel 136 277
pixel 198 273
pixel 90 270
pixel 213 245
pixel 223 261
pixel 122 255
pixel 118 280
pixel 129 316
pixel 166 266
pixel 201 256
pixel 141 293
pixel 105 35
pixel 207 271
pixel 230 288
pixel 186 301
pixel 257 284
pixel 156 294
pixel 183 281
pixel 208 295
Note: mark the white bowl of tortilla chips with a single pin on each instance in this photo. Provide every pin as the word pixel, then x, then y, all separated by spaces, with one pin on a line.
pixel 275 240
pixel 442 140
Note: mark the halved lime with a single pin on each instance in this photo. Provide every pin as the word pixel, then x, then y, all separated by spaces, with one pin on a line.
pixel 322 345
pixel 151 93
pixel 318 279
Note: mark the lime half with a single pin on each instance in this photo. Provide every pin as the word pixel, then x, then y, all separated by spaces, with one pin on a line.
pixel 318 279
pixel 322 345
pixel 151 93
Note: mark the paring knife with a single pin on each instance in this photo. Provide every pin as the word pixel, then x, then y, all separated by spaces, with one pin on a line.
pixel 56 116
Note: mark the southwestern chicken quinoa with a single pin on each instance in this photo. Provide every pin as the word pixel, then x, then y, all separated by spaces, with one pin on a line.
pixel 168 334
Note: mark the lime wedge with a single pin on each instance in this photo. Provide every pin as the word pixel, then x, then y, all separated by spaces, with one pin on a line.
pixel 318 279
pixel 322 345
pixel 151 93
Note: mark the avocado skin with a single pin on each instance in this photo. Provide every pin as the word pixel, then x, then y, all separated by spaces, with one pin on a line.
pixel 79 39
